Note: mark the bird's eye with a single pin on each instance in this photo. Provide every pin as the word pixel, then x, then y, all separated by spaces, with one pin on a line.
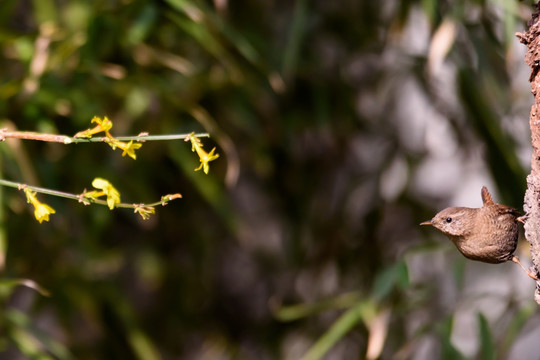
pixel 448 220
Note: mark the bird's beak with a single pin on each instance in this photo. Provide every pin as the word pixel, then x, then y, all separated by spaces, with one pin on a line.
pixel 430 222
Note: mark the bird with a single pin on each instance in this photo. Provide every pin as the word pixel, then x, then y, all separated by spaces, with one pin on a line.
pixel 488 234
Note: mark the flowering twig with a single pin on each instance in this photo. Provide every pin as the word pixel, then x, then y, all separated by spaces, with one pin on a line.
pixel 103 126
pixel 104 188
pixel 64 139
pixel 30 191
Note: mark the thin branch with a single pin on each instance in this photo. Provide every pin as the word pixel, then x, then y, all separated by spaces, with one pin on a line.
pixel 64 139
pixel 86 200
pixel 140 138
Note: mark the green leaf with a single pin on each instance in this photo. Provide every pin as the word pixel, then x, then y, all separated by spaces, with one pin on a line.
pixel 142 25
pixel 487 345
pixel 362 311
pixel 28 344
pixel 32 342
pixel 295 312
pixel 44 10
pixel 7 285
pixel 142 345
pixel 293 50
pixel 394 276
pixel 448 350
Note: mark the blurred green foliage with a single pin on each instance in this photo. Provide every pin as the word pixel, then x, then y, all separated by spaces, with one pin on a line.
pixel 303 238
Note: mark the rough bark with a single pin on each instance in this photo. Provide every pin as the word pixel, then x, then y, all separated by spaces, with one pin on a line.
pixel 531 39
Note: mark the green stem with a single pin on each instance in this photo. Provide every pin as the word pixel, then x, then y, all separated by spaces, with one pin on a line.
pixel 78 197
pixel 29 135
pixel 140 138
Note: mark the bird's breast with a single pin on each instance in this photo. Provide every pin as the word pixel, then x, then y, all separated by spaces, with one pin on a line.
pixel 492 240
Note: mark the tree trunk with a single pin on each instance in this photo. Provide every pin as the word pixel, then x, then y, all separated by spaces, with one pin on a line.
pixel 531 39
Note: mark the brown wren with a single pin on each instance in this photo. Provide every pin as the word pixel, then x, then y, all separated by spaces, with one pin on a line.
pixel 488 234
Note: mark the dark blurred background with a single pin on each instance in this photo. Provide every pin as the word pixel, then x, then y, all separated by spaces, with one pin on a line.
pixel 341 125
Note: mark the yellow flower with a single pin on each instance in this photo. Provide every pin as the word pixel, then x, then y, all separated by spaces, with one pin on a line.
pixel 113 196
pixel 42 211
pixel 145 212
pixel 204 157
pixel 129 148
pixel 102 125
